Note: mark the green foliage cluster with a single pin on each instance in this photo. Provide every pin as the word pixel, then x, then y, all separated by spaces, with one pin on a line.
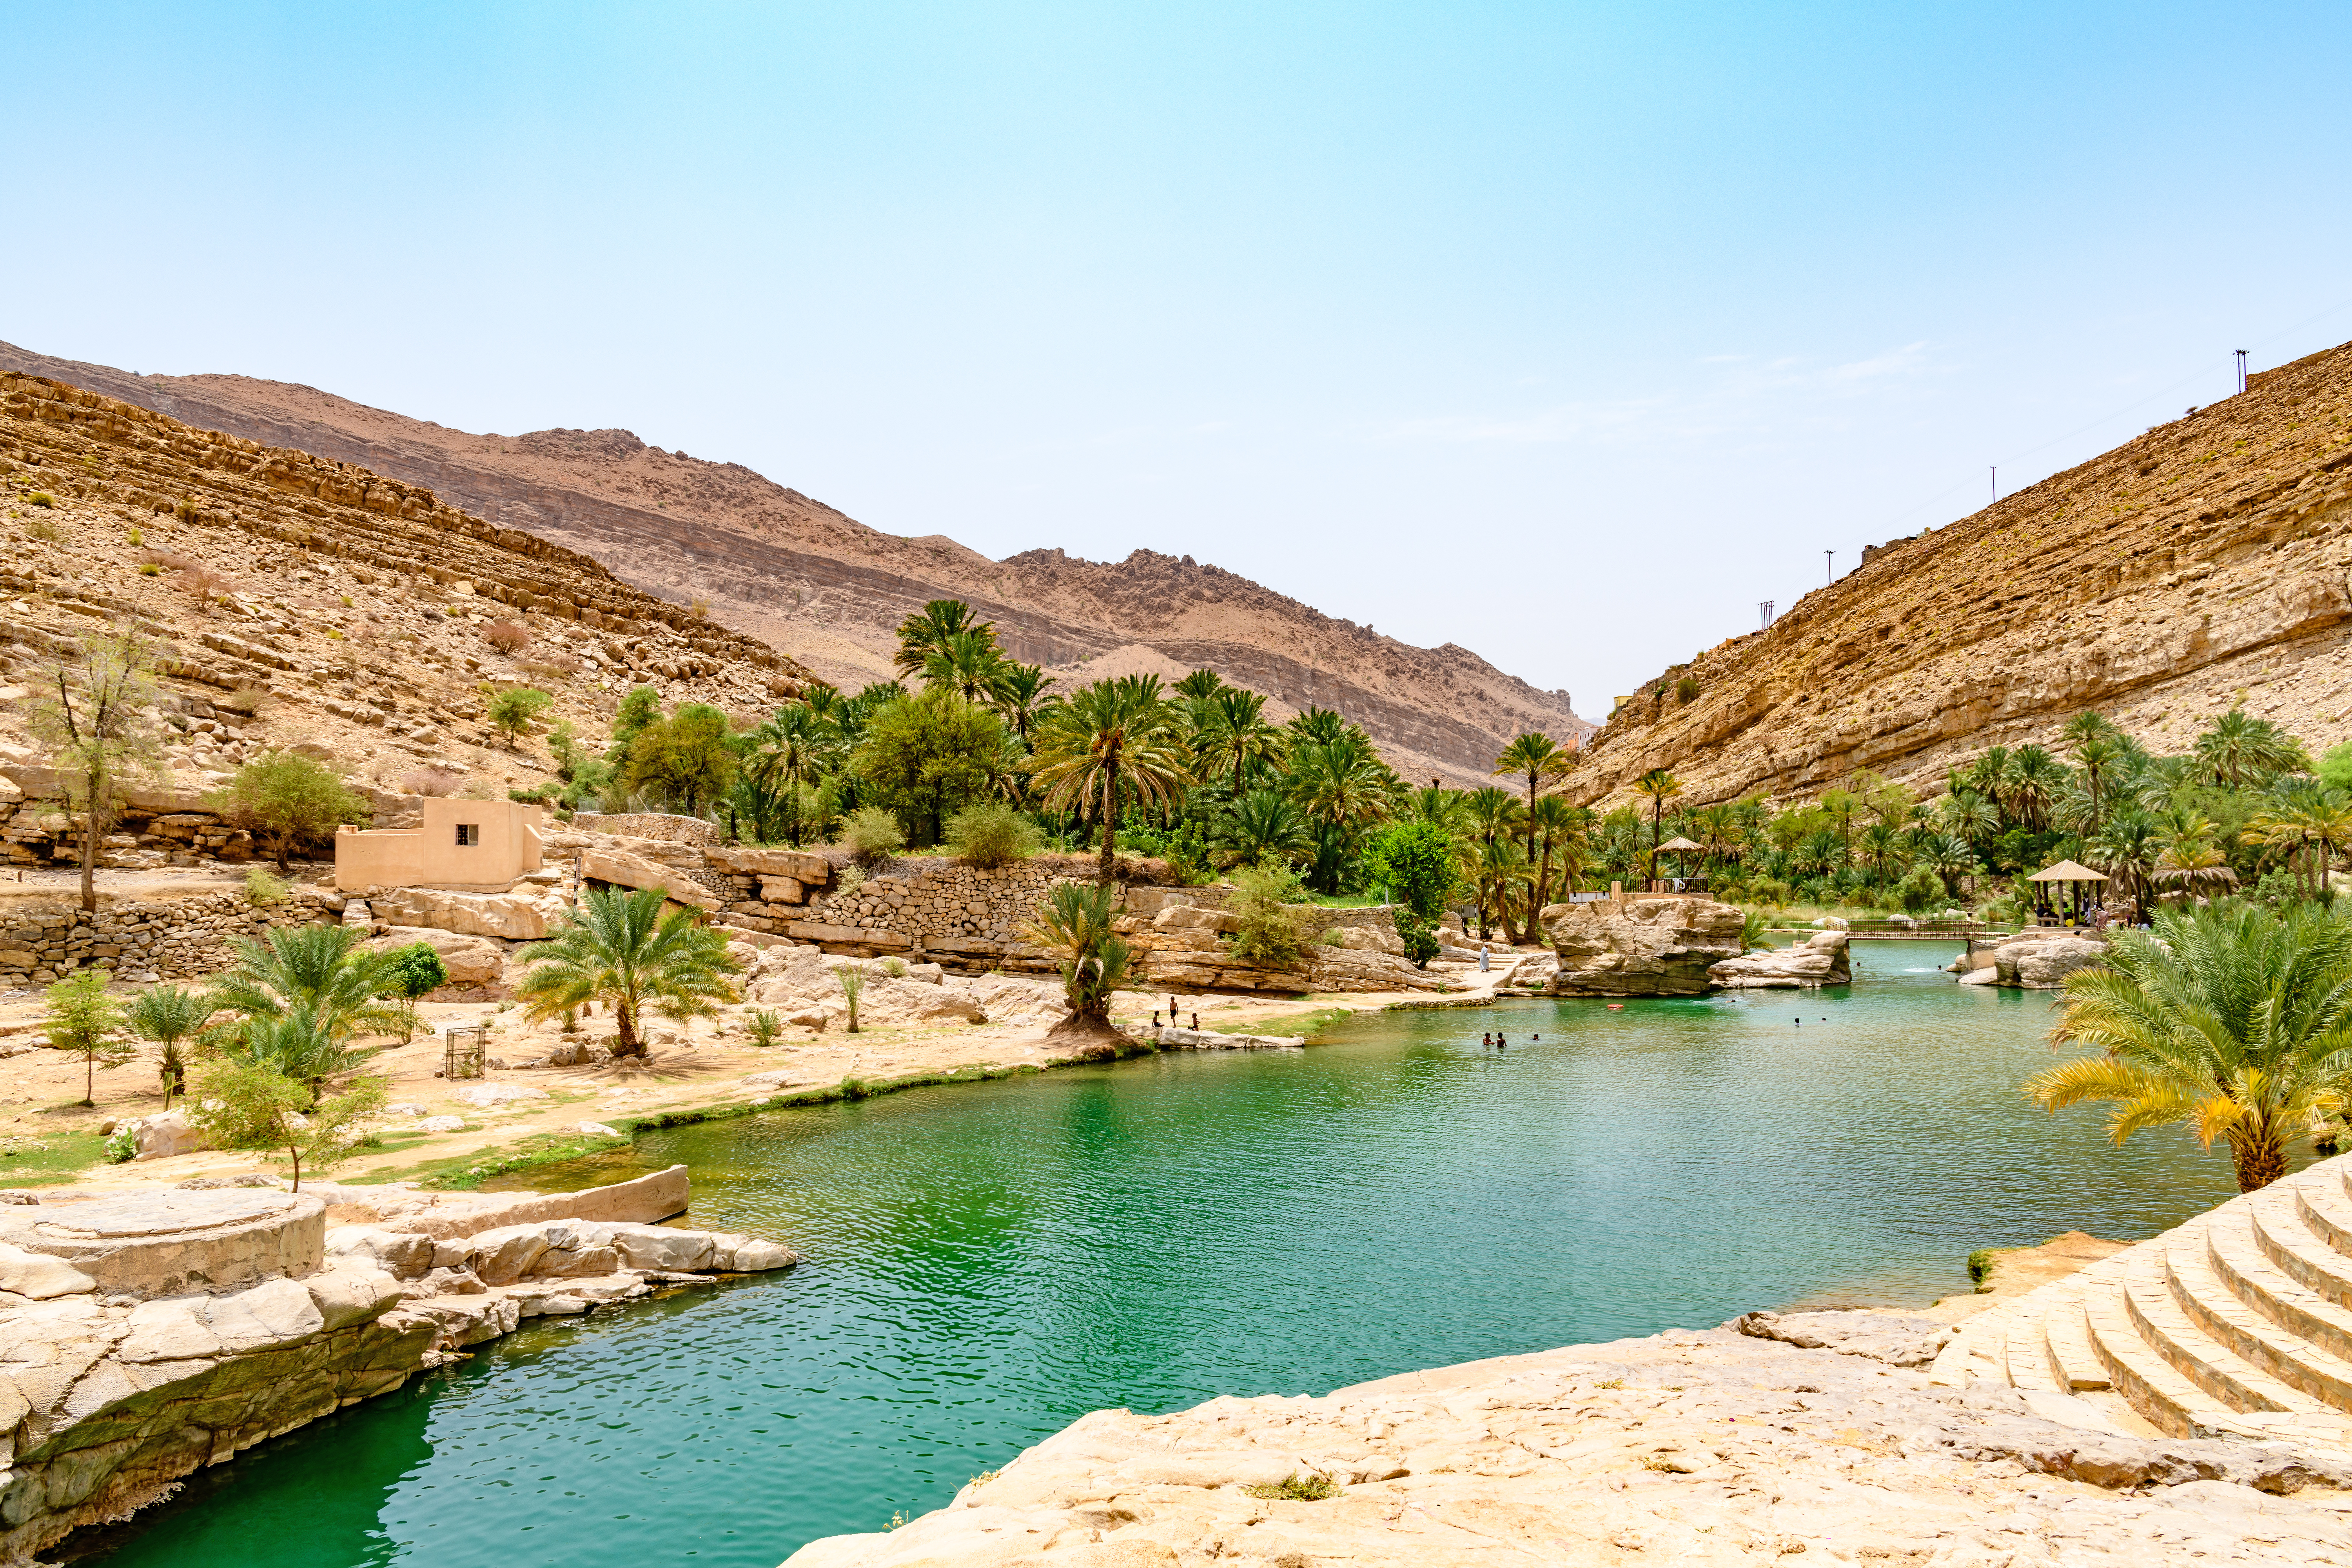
pixel 288 799
pixel 1272 924
pixel 992 833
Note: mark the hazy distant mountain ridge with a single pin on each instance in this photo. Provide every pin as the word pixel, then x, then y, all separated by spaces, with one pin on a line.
pixel 830 591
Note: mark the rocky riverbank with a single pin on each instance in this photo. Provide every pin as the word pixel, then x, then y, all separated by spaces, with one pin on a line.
pixel 1706 1447
pixel 146 1335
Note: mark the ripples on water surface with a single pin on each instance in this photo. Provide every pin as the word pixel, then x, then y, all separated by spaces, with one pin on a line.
pixel 987 1262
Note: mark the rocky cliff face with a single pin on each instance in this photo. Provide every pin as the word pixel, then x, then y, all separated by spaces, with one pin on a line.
pixel 1647 947
pixel 2203 565
pixel 299 601
pixel 830 592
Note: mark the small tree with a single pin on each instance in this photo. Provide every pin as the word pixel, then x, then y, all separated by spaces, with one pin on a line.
pixel 84 1020
pixel 514 708
pixel 91 716
pixel 1272 928
pixel 286 796
pixel 872 836
pixel 411 972
pixel 251 1105
pixel 168 1018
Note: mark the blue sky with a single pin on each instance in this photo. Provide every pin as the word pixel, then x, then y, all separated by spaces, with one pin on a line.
pixel 1566 332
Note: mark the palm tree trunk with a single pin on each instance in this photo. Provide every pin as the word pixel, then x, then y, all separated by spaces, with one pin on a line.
pixel 1110 822
pixel 625 1039
pixel 2260 1156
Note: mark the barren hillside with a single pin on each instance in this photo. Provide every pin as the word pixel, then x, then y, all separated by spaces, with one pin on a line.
pixel 300 600
pixel 2201 564
pixel 830 592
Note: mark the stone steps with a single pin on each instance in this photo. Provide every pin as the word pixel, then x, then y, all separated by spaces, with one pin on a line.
pixel 2236 1324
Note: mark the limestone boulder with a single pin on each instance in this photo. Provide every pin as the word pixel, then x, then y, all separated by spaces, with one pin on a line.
pixel 1648 947
pixel 1819 960
pixel 513 917
pixel 161 1137
pixel 470 960
pixel 352 1294
pixel 39 1276
pixel 2042 963
pixel 403 1254
pixel 626 870
pixel 743 860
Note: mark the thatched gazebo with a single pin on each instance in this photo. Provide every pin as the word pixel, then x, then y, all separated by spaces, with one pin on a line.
pixel 1676 846
pixel 2071 879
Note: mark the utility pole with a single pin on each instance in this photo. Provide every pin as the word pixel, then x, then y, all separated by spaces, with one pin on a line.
pixel 2241 369
pixel 1829 564
pixel 1994 469
pixel 1764 615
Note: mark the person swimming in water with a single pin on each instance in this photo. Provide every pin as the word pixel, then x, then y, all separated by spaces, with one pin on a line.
pixel 1486 1041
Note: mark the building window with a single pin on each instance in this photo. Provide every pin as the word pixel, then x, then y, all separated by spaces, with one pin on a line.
pixel 469 834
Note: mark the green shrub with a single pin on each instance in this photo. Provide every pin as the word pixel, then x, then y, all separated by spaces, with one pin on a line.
pixel 896 968
pixel 262 889
pixel 1687 688
pixel 123 1145
pixel 1920 889
pixel 991 834
pixel 764 1024
pixel 40 497
pixel 1310 1487
pixel 1980 1265
pixel 872 836
pixel 1272 928
pixel 1419 935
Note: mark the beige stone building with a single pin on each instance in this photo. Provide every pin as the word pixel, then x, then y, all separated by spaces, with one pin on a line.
pixel 469 845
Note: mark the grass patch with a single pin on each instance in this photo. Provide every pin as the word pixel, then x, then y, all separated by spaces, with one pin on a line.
pixel 40 1162
pixel 1296 1026
pixel 1297 1489
pixel 1980 1265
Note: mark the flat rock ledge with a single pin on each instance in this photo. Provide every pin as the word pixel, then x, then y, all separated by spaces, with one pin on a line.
pixel 145 1336
pixel 1714 1446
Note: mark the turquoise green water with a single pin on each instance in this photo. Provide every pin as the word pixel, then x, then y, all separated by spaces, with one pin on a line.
pixel 987 1262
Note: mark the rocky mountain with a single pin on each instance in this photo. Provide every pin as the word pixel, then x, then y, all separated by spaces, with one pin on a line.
pixel 2201 565
pixel 299 601
pixel 829 591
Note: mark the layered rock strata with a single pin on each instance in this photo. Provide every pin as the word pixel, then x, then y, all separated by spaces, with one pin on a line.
pixel 2205 564
pixel 146 1335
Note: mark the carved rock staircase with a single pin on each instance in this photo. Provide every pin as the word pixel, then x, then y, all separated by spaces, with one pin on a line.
pixel 2237 1324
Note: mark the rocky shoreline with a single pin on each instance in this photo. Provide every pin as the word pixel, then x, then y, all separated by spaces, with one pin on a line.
pixel 145 1336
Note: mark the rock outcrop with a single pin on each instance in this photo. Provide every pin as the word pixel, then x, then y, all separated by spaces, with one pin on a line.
pixel 1818 960
pixel 1639 947
pixel 1707 1448
pixel 146 1335
pixel 2202 562
pixel 2042 963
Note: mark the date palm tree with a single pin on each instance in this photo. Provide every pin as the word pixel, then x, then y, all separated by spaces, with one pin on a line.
pixel 169 1017
pixel 1660 787
pixel 1534 756
pixel 321 970
pixel 1110 734
pixel 1262 823
pixel 1233 734
pixel 929 630
pixel 968 664
pixel 1072 924
pixel 787 752
pixel 1022 698
pixel 1552 823
pixel 618 948
pixel 2237 747
pixel 2127 849
pixel 2233 1019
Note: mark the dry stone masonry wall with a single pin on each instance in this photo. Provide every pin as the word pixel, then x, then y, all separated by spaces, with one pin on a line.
pixel 167 940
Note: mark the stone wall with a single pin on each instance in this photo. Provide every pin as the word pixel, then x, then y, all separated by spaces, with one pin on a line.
pixel 165 939
pixel 959 914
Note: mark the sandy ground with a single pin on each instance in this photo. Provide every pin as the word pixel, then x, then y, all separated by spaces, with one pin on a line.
pixel 40 1089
